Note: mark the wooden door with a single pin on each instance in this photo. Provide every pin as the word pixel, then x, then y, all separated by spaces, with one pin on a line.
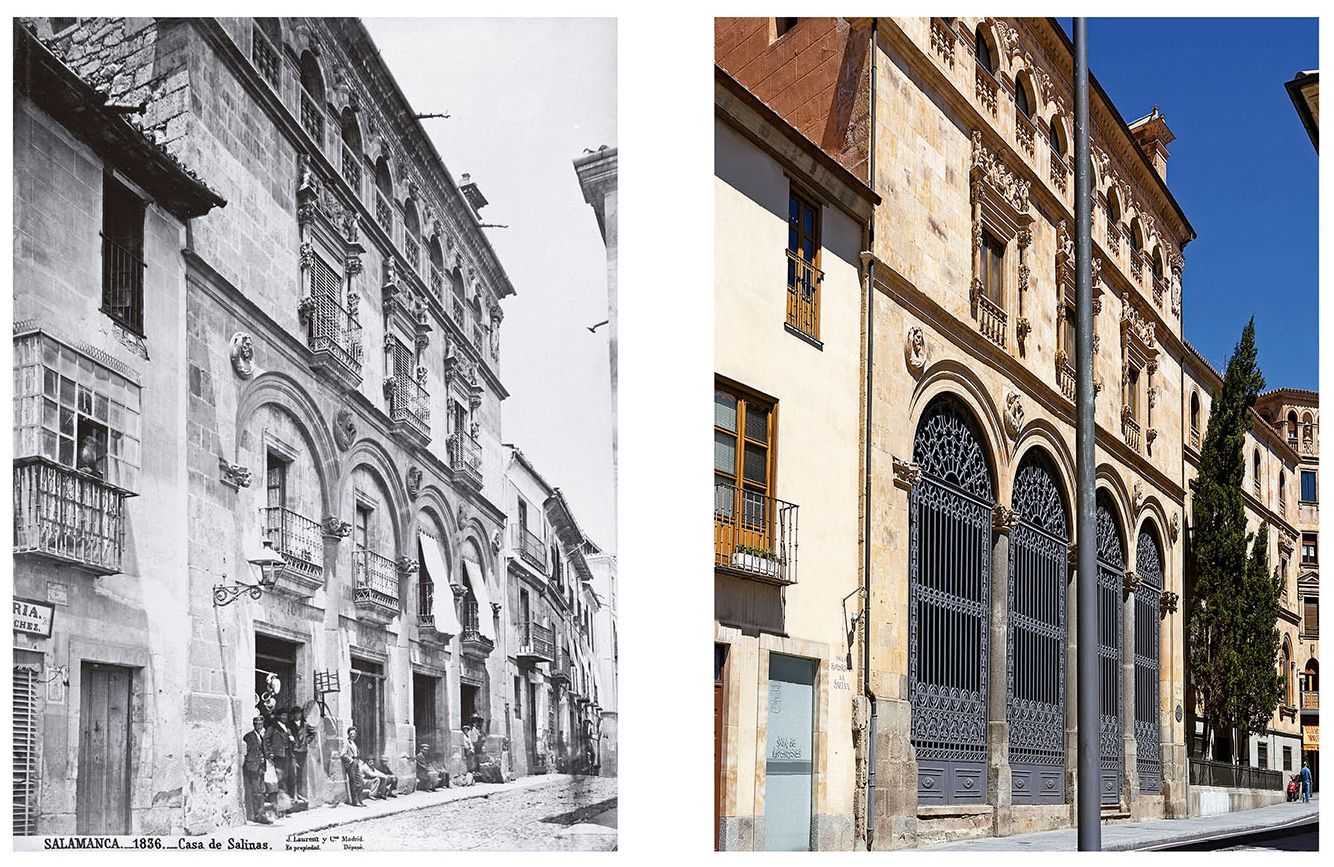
pixel 103 788
pixel 532 726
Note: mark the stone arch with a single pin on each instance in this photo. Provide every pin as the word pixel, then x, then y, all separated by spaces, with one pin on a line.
pixel 1026 94
pixel 279 389
pixel 311 77
pixel 1107 479
pixel 1115 207
pixel 370 455
pixel 272 29
pixel 351 132
pixel 1196 412
pixel 986 48
pixel 1060 135
pixel 1152 518
pixel 949 376
pixel 384 176
pixel 1137 237
pixel 1049 447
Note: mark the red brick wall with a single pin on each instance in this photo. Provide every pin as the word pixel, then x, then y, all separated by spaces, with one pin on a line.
pixel 816 76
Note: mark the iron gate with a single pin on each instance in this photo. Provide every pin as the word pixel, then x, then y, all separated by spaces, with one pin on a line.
pixel 1035 635
pixel 1111 575
pixel 1149 565
pixel 950 527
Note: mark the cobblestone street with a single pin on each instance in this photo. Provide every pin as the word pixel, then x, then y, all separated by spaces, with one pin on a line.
pixel 536 818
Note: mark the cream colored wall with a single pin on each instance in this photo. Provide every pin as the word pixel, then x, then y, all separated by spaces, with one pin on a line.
pixel 818 393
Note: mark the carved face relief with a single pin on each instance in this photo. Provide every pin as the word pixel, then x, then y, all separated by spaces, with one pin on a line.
pixel 414 481
pixel 345 428
pixel 1014 414
pixel 243 353
pixel 914 350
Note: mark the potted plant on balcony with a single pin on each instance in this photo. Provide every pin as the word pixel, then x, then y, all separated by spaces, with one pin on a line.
pixel 752 558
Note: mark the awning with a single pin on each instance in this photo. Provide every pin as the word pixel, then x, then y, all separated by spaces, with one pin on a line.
pixel 446 617
pixel 484 614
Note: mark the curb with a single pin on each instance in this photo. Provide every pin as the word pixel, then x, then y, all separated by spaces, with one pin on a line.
pixel 1221 834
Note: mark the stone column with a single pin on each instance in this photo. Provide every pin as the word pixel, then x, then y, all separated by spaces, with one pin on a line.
pixel 999 783
pixel 1129 750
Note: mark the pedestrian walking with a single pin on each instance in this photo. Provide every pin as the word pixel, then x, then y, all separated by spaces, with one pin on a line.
pixel 351 759
pixel 1306 784
pixel 252 770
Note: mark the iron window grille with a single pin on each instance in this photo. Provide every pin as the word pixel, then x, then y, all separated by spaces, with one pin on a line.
pixel 265 56
pixel 123 264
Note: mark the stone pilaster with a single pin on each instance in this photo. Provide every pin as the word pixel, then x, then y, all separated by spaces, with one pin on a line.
pixel 999 782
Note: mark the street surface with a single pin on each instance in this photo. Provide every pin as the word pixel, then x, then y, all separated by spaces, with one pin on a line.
pixel 1275 826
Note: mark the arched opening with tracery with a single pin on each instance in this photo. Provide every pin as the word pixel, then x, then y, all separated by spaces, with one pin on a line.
pixel 1149 568
pixel 1111 575
pixel 950 546
pixel 1036 633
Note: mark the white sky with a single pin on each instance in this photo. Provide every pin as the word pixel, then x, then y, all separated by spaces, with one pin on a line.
pixel 525 98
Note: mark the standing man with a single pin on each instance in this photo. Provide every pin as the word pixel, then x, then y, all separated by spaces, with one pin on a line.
pixel 1306 784
pixel 352 768
pixel 279 748
pixel 252 769
pixel 477 739
pixel 303 735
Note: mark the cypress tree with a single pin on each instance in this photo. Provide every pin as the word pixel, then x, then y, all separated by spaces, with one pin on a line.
pixel 1230 617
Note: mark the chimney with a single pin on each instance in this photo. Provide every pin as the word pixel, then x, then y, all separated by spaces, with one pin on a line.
pixel 1153 136
pixel 470 192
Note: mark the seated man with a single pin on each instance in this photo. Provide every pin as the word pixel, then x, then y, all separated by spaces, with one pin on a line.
pixel 427 780
pixel 381 765
pixel 374 780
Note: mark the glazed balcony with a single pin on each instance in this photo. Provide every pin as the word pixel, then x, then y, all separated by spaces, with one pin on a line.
pixel 754 535
pixel 465 456
pixel 68 516
pixel 333 336
pixel 530 546
pixel 803 296
pixel 409 408
pixel 300 542
pixel 537 643
pixel 561 669
pixel 376 586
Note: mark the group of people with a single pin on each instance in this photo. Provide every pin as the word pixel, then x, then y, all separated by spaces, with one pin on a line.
pixel 373 778
pixel 274 765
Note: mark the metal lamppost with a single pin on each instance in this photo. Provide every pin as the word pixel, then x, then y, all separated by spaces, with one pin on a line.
pixel 269 562
pixel 1089 805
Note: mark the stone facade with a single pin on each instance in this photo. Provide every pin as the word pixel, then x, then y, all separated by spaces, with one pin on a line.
pixel 967 134
pixel 319 368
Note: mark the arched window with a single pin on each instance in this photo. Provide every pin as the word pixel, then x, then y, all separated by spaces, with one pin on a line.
pixel 1157 263
pixel 1308 429
pixel 950 532
pixel 1149 567
pixel 384 194
pixel 1255 472
pixel 411 235
pixel 1285 672
pixel 312 97
pixel 1136 235
pixel 1111 580
pixel 1060 144
pixel 983 49
pixel 1036 633
pixel 1023 103
pixel 1113 206
pixel 1195 417
pixel 352 150
pixel 1311 677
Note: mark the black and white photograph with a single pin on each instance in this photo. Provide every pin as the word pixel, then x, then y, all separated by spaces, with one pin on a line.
pixel 315 361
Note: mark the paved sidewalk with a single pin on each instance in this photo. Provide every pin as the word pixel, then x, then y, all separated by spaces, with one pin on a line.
pixel 1127 836
pixel 322 818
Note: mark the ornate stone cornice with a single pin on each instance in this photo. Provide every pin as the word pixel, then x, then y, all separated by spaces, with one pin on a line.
pixel 989 168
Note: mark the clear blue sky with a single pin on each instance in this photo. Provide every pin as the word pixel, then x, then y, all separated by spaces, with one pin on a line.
pixel 1242 168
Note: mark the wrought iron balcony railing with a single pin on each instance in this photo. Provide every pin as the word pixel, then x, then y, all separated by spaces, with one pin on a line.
pixel 991 320
pixel 465 456
pixel 530 547
pixel 312 118
pixel 376 580
pixel 352 169
pixel 297 538
pixel 470 615
pixel 426 603
pixel 537 641
pixel 1130 429
pixel 334 332
pixel 803 295
pixel 409 404
pixel 264 56
pixel 1204 772
pixel 69 516
pixel 754 535
pixel 123 285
